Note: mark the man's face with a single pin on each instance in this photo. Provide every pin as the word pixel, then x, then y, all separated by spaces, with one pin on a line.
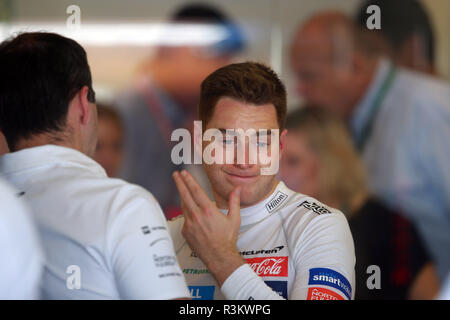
pixel 299 168
pixel 109 151
pixel 233 114
pixel 324 76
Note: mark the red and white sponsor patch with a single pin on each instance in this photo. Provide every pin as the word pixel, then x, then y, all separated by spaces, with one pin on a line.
pixel 269 266
pixel 317 293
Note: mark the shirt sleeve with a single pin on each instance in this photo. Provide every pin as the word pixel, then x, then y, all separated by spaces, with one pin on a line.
pixel 324 260
pixel 22 256
pixel 142 253
pixel 428 203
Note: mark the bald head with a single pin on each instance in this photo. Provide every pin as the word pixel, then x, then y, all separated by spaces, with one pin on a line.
pixel 332 35
pixel 331 61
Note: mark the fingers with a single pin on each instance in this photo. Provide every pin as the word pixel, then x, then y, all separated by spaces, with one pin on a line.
pixel 185 195
pixel 196 191
pixel 234 203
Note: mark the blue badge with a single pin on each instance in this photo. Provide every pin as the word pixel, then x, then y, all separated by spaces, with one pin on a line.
pixel 331 278
pixel 279 287
pixel 202 292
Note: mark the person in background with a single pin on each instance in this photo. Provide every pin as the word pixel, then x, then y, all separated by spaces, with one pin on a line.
pixel 407 31
pixel 399 120
pixel 22 258
pixel 3 145
pixel 103 238
pixel 165 98
pixel 320 161
pixel 109 152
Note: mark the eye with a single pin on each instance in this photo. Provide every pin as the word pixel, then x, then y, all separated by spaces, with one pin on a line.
pixel 262 144
pixel 228 141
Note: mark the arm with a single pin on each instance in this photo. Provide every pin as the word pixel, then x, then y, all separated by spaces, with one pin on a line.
pixel 142 254
pixel 425 285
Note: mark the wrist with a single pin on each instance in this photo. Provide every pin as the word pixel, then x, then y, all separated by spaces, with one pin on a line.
pixel 224 263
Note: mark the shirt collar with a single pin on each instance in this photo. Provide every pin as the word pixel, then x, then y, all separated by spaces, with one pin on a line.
pixel 46 155
pixel 265 208
pixel 362 112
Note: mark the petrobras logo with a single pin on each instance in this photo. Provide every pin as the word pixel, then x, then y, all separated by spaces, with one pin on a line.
pixel 276 201
pixel 269 266
pixel 331 278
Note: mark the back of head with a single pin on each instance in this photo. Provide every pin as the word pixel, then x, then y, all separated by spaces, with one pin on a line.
pixel 342 175
pixel 249 82
pixel 400 20
pixel 41 73
pixel 204 13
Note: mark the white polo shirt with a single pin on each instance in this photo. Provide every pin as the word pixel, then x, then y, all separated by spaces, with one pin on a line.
pixel 21 259
pixel 103 238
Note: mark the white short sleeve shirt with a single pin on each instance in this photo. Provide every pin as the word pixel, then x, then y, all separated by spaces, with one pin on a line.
pixel 20 252
pixel 103 238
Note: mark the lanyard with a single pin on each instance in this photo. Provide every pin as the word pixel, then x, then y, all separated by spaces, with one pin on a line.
pixel 375 107
pixel 156 108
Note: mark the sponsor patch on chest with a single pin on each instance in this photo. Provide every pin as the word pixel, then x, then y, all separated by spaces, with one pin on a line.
pixel 269 266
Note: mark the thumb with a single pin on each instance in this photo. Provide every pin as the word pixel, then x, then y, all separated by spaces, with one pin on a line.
pixel 234 203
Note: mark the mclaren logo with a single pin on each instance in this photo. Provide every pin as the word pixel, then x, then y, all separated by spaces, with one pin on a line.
pixel 276 201
pixel 262 251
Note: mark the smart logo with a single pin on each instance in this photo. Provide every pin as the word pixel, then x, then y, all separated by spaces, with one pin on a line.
pixel 331 278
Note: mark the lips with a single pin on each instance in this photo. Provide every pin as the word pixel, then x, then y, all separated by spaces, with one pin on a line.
pixel 240 177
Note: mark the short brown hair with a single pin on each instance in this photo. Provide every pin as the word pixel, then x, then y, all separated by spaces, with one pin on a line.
pixel 249 82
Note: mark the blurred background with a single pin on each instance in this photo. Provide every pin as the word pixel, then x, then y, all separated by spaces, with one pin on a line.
pixel 114 57
pixel 148 59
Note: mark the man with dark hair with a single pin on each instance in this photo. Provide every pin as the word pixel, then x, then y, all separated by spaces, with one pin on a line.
pixel 399 120
pixel 103 238
pixel 407 29
pixel 166 96
pixel 258 239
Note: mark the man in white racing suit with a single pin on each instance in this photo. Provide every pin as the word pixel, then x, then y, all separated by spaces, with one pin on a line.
pixel 259 239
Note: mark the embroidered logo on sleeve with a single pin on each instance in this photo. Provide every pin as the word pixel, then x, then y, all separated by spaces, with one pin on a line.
pixel 317 293
pixel 330 278
pixel 314 207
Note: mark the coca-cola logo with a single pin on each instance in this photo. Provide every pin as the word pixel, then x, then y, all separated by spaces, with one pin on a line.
pixel 269 266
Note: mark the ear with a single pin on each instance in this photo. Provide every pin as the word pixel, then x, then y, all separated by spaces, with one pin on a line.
pixel 283 141
pixel 83 105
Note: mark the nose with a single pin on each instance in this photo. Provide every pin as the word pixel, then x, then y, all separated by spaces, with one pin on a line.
pixel 243 158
